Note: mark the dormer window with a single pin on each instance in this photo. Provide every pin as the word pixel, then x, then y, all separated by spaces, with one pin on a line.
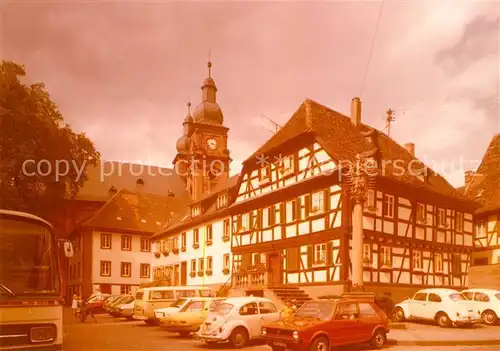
pixel 195 211
pixel 222 201
pixel 264 174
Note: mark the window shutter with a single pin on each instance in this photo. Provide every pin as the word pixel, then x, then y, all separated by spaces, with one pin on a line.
pixel 272 215
pixel 384 207
pixel 307 204
pixel 298 211
pixel 292 259
pixel 246 261
pixel 282 213
pixel 310 255
pixel 257 259
pixel 329 254
pixel 326 199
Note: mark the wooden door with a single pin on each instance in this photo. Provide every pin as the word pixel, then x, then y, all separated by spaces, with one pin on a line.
pixel 275 270
pixel 176 275
pixel 184 273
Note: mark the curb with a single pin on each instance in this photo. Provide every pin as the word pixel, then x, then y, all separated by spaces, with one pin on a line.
pixel 443 343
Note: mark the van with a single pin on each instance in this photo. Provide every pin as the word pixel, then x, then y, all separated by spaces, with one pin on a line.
pixel 149 299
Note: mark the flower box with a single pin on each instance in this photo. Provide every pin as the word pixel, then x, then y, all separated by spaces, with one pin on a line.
pixel 200 274
pixel 225 271
pixel 225 238
pixel 195 246
pixel 209 242
pixel 192 274
pixel 166 253
pixel 175 251
pixel 157 254
pixel 209 272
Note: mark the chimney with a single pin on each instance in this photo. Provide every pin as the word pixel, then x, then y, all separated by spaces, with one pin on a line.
pixel 410 147
pixel 112 191
pixel 139 185
pixel 468 177
pixel 356 111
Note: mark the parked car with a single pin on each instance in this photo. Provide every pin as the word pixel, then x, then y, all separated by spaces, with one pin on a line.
pixel 446 307
pixel 319 325
pixel 115 308
pixel 96 302
pixel 175 307
pixel 127 310
pixel 237 320
pixel 189 318
pixel 109 301
pixel 488 303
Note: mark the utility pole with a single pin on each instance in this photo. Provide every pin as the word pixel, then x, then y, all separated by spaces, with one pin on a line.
pixel 388 120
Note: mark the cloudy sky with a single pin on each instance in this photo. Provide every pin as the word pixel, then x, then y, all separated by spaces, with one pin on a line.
pixel 122 71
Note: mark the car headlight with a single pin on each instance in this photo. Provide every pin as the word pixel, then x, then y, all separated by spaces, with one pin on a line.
pixel 43 334
pixel 295 334
pixel 263 331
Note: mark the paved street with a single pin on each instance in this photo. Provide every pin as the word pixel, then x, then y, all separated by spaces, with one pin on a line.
pixel 112 334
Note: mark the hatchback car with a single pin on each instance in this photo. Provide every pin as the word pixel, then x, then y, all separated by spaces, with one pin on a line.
pixel 487 302
pixel 319 325
pixel 237 320
pixel 446 307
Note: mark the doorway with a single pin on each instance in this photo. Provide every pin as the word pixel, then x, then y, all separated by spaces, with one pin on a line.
pixel 275 270
pixel 176 275
pixel 183 273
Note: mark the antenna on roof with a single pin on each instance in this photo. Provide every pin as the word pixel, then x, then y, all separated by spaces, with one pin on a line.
pixel 277 126
pixel 389 119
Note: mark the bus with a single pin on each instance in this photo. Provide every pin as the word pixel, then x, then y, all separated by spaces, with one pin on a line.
pixel 30 284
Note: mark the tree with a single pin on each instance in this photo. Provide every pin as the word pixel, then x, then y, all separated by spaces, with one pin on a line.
pixel 40 156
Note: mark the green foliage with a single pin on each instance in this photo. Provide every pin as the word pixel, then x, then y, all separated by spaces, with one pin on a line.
pixel 32 128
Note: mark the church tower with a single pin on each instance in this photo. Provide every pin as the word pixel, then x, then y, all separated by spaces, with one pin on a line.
pixel 202 159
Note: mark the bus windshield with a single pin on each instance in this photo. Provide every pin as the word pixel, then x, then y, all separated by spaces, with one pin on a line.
pixel 28 259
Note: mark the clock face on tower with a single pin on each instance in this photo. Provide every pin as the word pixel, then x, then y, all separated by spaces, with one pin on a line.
pixel 212 144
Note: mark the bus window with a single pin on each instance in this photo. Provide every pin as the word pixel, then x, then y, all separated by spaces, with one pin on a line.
pixel 186 293
pixel 206 293
pixel 139 295
pixel 162 295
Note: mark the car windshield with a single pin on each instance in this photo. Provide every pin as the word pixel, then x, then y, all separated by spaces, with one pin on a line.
pixel 178 303
pixel 28 259
pixel 221 308
pixel 319 310
pixel 193 306
pixel 457 297
pixel 206 293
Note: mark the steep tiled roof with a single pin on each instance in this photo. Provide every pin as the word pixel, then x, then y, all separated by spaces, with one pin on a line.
pixel 485 185
pixel 157 180
pixel 343 141
pixel 139 212
pixel 183 215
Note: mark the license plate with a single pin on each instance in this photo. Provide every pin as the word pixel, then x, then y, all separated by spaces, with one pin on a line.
pixel 279 344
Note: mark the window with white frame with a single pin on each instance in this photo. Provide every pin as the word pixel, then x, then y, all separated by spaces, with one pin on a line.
pixel 125 289
pixel 209 234
pixel 421 213
pixel 226 229
pixel 320 254
pixel 287 164
pixel 226 261
pixel 126 269
pixel 196 237
pixel 183 240
pixel 371 200
pixel 418 262
pixel 481 229
pixel 438 262
pixel 245 222
pixel 459 222
pixel 367 253
pixel 388 208
pixel 126 243
pixel 195 211
pixel 209 263
pixel 105 268
pixel 145 245
pixel 222 201
pixel 264 173
pixel 201 264
pixel 105 241
pixel 145 270
pixel 193 266
pixel 386 256
pixel 441 217
pixel 317 202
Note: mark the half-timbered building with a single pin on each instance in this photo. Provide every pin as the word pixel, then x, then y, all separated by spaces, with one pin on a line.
pixel 483 186
pixel 292 225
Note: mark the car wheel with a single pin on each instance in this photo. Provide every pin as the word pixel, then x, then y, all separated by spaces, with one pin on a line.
pixel 489 317
pixel 378 339
pixel 320 344
pixel 150 322
pixel 184 334
pixel 238 338
pixel 399 314
pixel 443 320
